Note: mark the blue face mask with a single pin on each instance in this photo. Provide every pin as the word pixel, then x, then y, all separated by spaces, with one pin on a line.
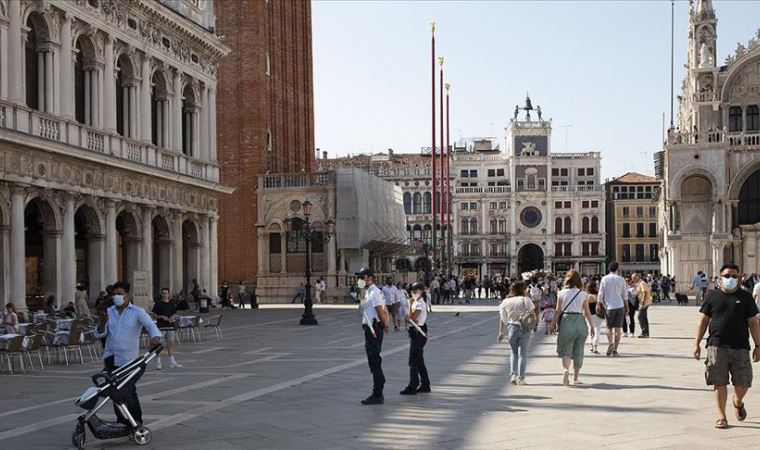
pixel 730 284
pixel 118 300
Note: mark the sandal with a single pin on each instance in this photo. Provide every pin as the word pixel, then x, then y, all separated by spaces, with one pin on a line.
pixel 741 412
pixel 721 424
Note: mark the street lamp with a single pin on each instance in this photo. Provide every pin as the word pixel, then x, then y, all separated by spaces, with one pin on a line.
pixel 309 234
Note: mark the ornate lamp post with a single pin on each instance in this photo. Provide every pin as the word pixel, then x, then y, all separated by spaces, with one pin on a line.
pixel 308 234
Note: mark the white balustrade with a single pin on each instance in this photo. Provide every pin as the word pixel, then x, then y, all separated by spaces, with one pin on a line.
pixel 95 141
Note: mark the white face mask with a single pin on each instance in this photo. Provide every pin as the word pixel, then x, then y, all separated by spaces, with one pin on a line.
pixel 118 300
pixel 360 283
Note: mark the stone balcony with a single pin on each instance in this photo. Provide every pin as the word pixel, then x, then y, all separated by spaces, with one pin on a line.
pixel 593 188
pixel 296 180
pixel 482 190
pixel 47 127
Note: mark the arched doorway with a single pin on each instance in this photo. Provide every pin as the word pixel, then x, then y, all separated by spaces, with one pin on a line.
pixel 162 250
pixel 41 237
pixel 88 246
pixel 190 255
pixel 696 205
pixel 127 247
pixel 403 265
pixel 422 265
pixel 530 257
pixel 749 200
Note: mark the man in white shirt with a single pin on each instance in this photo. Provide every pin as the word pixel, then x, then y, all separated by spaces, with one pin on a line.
pixel 320 288
pixel 390 295
pixel 375 324
pixel 613 293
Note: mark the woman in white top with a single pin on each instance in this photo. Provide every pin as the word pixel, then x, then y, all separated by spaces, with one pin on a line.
pixel 419 381
pixel 10 319
pixel 572 308
pixel 510 312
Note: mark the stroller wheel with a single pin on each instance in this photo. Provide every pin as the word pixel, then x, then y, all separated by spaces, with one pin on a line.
pixel 142 436
pixel 79 438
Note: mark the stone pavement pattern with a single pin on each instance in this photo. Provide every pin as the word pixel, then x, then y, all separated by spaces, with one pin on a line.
pixel 271 384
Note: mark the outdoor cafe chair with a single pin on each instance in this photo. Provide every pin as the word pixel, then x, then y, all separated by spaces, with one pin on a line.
pixel 214 323
pixel 15 349
pixel 35 346
pixel 73 344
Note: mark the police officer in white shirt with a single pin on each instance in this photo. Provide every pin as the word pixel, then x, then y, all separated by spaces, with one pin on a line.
pixel 375 324
pixel 418 374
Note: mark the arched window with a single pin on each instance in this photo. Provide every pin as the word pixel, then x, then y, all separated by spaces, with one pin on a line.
pixel 595 225
pixel 426 202
pixel 465 226
pixel 407 202
pixel 417 233
pixel 473 226
pixel 753 118
pixel 417 203
pixel 159 110
pixel 568 227
pixel 558 225
pixel 427 234
pixel 735 118
pixel 86 83
pixel 189 122
pixel 126 98
pixel 494 227
pixel 585 225
pixel 38 66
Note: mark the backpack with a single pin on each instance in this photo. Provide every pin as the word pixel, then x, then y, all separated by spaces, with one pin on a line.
pixel 528 319
pixel 536 293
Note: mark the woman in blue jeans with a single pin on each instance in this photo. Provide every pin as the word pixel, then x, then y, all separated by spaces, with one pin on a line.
pixel 515 306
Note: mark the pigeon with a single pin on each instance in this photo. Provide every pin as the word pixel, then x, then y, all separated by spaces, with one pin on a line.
pixel 456 315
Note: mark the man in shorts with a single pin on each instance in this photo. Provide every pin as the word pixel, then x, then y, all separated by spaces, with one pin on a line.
pixel 166 313
pixel 731 315
pixel 613 294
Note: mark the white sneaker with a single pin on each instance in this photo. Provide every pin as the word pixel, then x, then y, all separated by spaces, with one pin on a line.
pixel 175 364
pixel 158 366
pixel 625 334
pixel 577 382
pixel 513 379
pixel 521 382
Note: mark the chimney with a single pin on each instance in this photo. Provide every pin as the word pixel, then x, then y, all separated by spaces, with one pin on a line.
pixel 324 155
pixel 390 153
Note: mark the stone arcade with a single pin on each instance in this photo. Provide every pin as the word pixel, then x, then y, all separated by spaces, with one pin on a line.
pixel 107 145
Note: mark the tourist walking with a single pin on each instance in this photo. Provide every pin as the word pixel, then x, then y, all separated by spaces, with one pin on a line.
pixel 574 314
pixel 241 295
pixel 416 321
pixel 644 296
pixel 320 289
pixel 123 324
pixel 402 304
pixel 165 312
pixel 665 286
pixel 375 322
pixel 513 313
pixel 597 314
pixel 613 293
pixel 389 295
pixel 300 293
pixel 81 302
pixel 730 315
pixel 629 322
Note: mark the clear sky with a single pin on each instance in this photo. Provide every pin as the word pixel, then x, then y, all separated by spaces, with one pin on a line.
pixel 599 69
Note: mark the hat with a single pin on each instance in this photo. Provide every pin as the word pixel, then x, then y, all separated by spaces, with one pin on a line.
pixel 365 271
pixel 418 287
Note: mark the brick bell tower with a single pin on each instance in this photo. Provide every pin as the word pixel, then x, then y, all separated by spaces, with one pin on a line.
pixel 265 115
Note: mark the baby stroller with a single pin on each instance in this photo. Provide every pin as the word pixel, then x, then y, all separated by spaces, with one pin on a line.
pixel 108 387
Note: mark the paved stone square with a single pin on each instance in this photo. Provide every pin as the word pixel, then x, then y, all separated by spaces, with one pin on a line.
pixel 273 384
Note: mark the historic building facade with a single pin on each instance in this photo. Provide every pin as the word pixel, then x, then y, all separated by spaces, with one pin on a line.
pixel 267 123
pixel 528 208
pixel 107 145
pixel 632 222
pixel 711 175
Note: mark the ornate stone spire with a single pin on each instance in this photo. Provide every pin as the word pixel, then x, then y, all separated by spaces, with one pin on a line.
pixel 704 6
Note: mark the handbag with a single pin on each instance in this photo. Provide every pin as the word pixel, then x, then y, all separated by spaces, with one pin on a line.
pixel 600 311
pixel 559 321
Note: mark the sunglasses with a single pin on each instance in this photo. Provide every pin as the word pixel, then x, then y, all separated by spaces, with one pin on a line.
pixel 730 276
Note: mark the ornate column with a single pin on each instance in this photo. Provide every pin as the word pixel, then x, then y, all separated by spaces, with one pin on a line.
pixel 212 123
pixel 49 77
pixel 213 251
pixel 67 70
pixel 203 251
pixel 68 260
pixel 88 97
pixel 204 145
pixel 197 146
pixel 17 249
pixel 147 244
pixel 15 50
pixel 110 87
pixel 4 65
pixel 177 112
pixel 283 253
pixel 145 109
pixel 262 263
pixel 133 105
pixel 178 283
pixel 110 250
pixel 95 263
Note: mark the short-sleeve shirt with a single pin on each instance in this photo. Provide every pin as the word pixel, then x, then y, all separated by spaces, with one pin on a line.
pixel 728 313
pixel 373 299
pixel 162 308
pixel 388 294
pixel 567 304
pixel 419 305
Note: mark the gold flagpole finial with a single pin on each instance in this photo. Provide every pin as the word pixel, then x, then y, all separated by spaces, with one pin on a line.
pixel 432 27
pixel 440 60
pixel 448 86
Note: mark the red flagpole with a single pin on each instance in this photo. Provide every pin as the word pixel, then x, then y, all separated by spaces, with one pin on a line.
pixel 448 181
pixel 432 148
pixel 443 192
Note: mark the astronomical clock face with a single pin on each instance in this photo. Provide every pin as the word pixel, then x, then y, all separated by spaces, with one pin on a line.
pixel 531 146
pixel 531 217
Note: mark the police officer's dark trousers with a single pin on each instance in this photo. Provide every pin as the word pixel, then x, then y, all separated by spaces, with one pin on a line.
pixel 373 345
pixel 418 374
